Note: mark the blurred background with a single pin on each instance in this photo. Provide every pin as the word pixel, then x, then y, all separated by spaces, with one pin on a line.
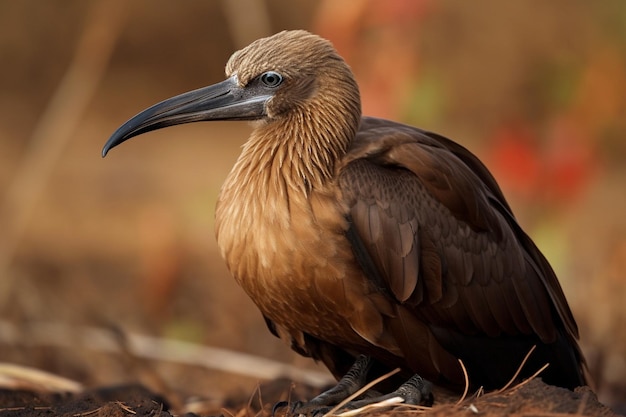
pixel 536 89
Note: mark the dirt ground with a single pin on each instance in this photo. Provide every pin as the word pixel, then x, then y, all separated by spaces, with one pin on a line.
pixel 126 244
pixel 532 399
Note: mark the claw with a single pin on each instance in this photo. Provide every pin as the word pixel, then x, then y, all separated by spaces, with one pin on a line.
pixel 301 409
pixel 278 406
pixel 416 390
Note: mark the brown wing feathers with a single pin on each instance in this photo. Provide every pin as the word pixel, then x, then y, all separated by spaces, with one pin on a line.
pixel 432 223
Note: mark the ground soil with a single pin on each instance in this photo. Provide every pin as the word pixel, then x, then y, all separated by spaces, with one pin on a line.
pixel 532 399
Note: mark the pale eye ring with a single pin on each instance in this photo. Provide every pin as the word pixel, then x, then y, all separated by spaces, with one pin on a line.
pixel 271 79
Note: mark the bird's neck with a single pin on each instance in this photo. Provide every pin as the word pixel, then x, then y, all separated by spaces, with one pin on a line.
pixel 301 150
pixel 294 154
pixel 286 171
pixel 286 165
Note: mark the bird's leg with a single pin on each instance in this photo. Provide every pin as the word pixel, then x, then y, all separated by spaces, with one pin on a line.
pixel 351 382
pixel 415 391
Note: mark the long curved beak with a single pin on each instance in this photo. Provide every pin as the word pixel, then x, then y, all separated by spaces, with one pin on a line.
pixel 222 101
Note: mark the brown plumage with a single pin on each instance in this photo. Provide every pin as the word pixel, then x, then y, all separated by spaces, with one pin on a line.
pixel 363 236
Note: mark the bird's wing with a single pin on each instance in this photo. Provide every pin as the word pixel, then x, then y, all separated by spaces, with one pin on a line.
pixel 430 226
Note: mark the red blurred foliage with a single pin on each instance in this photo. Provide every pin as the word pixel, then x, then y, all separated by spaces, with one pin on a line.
pixel 552 171
pixel 554 165
pixel 514 159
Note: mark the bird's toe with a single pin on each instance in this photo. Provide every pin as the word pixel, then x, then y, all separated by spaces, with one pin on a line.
pixel 299 408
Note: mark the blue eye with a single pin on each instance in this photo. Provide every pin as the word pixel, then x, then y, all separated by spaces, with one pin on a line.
pixel 271 79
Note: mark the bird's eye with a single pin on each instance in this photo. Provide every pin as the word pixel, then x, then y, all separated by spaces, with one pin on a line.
pixel 271 79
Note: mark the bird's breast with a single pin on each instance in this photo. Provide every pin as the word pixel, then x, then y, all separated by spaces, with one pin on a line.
pixel 288 251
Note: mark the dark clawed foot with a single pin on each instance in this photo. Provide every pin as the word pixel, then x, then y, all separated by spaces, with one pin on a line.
pixel 309 409
pixel 298 408
pixel 415 391
pixel 278 407
pixel 354 379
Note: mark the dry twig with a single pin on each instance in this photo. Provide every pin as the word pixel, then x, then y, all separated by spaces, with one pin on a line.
pixel 466 383
pixel 519 369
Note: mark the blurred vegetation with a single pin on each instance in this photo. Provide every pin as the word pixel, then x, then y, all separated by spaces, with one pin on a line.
pixel 536 89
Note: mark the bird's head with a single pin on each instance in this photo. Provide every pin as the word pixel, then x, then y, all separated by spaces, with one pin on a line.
pixel 269 80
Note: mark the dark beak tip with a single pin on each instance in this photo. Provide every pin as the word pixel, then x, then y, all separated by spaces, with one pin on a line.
pixel 113 141
pixel 106 148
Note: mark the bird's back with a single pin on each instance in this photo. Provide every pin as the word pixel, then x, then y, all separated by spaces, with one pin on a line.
pixel 432 229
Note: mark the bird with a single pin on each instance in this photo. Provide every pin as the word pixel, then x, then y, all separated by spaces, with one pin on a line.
pixel 367 244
